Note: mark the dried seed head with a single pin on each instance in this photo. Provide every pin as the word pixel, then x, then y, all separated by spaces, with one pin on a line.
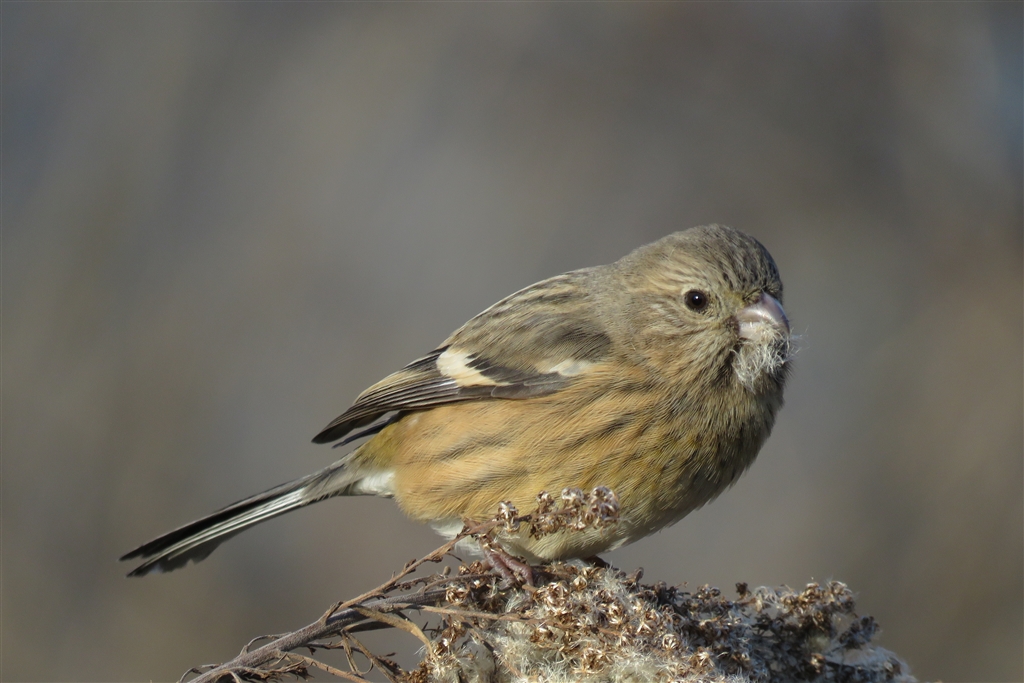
pixel 508 515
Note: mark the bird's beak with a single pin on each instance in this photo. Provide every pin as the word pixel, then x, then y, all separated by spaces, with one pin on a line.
pixel 763 320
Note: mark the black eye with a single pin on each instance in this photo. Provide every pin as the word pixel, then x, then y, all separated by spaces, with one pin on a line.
pixel 695 300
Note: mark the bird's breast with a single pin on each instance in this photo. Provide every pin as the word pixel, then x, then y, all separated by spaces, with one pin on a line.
pixel 661 456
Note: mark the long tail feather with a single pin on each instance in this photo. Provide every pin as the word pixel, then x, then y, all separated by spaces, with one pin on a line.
pixel 196 540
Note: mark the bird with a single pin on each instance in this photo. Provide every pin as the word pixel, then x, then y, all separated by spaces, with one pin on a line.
pixel 658 376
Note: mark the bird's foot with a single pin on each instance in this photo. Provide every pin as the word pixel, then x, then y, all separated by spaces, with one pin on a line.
pixel 512 569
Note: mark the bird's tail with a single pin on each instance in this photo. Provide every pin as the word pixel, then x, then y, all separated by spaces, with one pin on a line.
pixel 194 541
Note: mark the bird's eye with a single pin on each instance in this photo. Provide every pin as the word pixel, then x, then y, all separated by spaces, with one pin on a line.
pixel 695 300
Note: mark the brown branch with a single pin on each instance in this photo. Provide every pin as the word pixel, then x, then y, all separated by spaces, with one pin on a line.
pixel 333 625
pixel 577 622
pixel 382 606
pixel 374 605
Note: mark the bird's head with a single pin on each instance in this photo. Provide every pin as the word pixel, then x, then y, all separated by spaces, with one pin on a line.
pixel 707 302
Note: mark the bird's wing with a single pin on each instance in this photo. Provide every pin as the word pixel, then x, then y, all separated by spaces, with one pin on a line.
pixel 531 343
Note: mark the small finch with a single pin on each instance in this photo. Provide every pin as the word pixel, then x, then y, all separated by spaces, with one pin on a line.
pixel 658 376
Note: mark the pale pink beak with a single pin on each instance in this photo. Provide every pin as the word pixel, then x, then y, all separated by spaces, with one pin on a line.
pixel 762 320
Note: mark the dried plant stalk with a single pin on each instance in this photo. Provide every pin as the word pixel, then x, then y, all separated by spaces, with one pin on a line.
pixel 578 622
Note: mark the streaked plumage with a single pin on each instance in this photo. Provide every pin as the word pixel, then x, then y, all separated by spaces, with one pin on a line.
pixel 658 376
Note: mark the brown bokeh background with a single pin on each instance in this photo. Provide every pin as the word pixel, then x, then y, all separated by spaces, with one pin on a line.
pixel 221 221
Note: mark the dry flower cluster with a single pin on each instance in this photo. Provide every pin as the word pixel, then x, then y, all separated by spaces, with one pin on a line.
pixel 588 623
pixel 577 621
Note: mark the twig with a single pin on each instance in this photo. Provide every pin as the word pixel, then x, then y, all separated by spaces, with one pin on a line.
pixel 321 628
pixel 382 606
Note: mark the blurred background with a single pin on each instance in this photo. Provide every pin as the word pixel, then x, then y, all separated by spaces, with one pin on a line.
pixel 221 221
